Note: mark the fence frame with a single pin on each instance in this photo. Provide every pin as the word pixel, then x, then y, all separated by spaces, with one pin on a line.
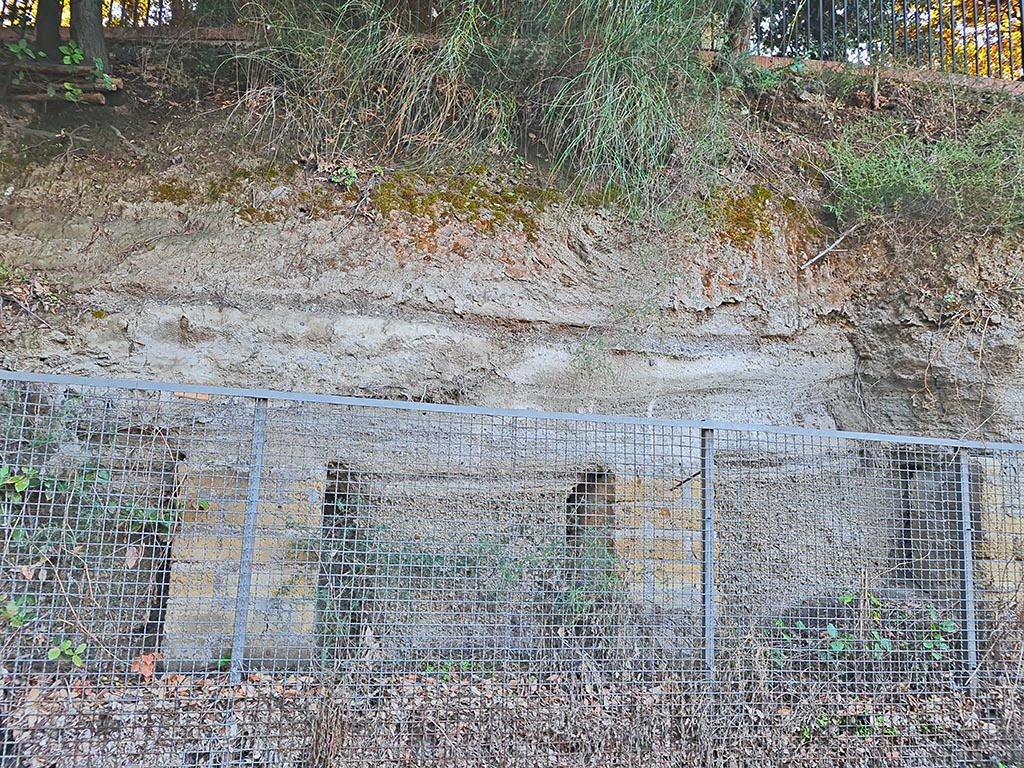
pixel 965 677
pixel 706 474
pixel 423 407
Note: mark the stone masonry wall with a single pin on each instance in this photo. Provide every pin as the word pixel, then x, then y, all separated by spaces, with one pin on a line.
pixel 206 558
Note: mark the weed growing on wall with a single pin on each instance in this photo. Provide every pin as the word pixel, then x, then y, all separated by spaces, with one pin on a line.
pixel 859 636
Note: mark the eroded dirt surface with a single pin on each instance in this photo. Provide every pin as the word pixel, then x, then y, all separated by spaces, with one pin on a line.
pixel 181 257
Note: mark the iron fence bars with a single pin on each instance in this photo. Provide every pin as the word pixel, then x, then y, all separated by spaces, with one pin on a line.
pixel 206 576
pixel 976 37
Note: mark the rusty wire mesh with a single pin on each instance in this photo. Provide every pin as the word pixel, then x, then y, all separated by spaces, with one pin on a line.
pixel 204 577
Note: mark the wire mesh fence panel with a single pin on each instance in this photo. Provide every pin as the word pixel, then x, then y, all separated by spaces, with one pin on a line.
pixel 211 577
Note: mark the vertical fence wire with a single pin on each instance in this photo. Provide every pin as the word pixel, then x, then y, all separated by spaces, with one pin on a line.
pixel 252 500
pixel 707 503
pixel 970 611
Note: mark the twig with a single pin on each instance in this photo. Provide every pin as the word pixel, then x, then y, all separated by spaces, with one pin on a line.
pixel 831 248
pixel 138 151
pixel 24 308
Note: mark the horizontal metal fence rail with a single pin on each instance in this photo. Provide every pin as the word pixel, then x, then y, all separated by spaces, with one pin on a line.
pixel 205 576
pixel 973 37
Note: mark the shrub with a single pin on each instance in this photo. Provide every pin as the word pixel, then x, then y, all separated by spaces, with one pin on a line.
pixel 976 179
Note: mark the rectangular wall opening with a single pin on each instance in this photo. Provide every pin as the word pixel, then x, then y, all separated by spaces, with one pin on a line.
pixel 344 567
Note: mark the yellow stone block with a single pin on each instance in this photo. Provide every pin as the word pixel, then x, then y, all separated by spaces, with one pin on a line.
pixel 991 485
pixel 212 495
pixel 646 490
pixel 199 546
pixel 679 516
pixel 291 515
pixel 674 549
pixel 671 585
pixel 201 578
pixel 1006 578
pixel 1003 536
pixel 671 576
pixel 191 545
pixel 214 514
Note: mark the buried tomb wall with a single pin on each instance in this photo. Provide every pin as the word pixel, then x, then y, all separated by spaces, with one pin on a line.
pixel 468 526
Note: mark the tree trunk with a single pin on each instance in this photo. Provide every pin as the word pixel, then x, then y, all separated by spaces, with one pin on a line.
pixel 177 13
pixel 87 30
pixel 48 28
pixel 740 26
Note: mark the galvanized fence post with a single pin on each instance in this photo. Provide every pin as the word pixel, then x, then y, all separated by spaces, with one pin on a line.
pixel 969 604
pixel 707 503
pixel 252 502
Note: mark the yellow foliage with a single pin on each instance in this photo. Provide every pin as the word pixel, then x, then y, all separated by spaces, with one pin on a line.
pixel 116 13
pixel 977 37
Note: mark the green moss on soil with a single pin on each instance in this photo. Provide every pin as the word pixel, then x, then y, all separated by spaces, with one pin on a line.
pixel 741 219
pixel 172 192
pixel 469 197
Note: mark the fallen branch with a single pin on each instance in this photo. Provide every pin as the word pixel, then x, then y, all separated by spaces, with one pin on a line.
pixel 87 86
pixel 82 98
pixel 831 248
pixel 64 70
pixel 23 307
pixel 137 151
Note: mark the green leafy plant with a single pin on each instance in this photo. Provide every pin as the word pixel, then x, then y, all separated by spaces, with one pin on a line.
pixel 878 646
pixel 72 92
pixel 446 671
pixel 14 482
pixel 345 176
pixel 66 649
pixel 863 631
pixel 24 52
pixel 98 76
pixel 936 642
pixel 71 54
pixel 838 642
pixel 148 519
pixel 975 179
pixel 16 611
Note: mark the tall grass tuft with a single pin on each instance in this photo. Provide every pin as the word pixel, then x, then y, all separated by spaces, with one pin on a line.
pixel 606 89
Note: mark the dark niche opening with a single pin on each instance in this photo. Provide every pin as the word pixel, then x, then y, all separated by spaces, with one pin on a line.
pixel 344 567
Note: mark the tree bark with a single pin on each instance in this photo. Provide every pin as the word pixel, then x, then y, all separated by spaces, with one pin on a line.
pixel 740 26
pixel 48 28
pixel 87 30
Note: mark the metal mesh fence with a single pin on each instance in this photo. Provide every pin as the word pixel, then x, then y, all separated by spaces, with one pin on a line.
pixel 213 577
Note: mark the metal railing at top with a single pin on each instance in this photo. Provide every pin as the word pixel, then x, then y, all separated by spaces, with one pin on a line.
pixel 201 575
pixel 975 37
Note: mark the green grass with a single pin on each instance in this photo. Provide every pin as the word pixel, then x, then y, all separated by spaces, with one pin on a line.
pixel 606 94
pixel 975 179
pixel 11 277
